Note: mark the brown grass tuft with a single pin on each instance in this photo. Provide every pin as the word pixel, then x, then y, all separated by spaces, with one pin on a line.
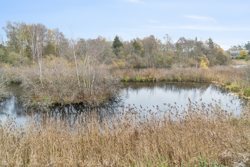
pixel 197 138
pixel 60 83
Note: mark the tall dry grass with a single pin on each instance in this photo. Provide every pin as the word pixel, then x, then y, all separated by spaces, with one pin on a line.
pixel 95 84
pixel 236 80
pixel 59 82
pixel 3 92
pixel 199 137
pixel 220 74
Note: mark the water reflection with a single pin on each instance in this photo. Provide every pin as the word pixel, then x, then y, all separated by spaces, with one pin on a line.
pixel 180 95
pixel 140 98
pixel 240 66
pixel 10 109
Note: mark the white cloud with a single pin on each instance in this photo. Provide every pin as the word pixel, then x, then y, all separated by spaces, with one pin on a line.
pixel 200 18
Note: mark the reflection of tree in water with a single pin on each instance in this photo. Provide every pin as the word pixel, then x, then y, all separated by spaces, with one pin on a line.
pixel 11 106
pixel 70 113
pixel 77 113
pixel 174 87
pixel 167 86
pixel 180 87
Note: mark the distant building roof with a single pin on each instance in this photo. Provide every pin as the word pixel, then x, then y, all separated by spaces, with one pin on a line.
pixel 235 52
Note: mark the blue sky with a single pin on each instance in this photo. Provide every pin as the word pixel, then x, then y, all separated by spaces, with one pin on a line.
pixel 225 21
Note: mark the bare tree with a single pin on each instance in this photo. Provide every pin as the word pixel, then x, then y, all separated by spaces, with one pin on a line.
pixel 38 33
pixel 76 65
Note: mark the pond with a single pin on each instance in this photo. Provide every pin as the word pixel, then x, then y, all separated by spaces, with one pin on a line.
pixel 142 98
pixel 240 66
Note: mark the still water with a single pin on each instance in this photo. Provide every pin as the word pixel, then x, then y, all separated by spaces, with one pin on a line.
pixel 141 97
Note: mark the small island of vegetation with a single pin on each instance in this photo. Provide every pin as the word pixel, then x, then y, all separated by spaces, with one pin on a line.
pixel 51 70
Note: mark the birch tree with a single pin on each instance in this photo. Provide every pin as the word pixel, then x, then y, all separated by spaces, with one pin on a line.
pixel 75 60
pixel 38 34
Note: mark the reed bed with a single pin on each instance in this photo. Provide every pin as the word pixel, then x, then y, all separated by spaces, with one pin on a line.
pixel 3 92
pixel 62 83
pixel 236 80
pixel 200 136
pixel 220 74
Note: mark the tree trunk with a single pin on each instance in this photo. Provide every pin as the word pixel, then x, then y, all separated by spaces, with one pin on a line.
pixel 77 72
pixel 40 71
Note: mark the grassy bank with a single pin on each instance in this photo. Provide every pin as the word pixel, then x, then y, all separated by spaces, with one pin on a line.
pixel 3 92
pixel 61 82
pixel 202 137
pixel 232 79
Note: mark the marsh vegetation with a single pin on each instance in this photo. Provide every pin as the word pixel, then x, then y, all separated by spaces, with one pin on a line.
pixel 55 75
pixel 199 137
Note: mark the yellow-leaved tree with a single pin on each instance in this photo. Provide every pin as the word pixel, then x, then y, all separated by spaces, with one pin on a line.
pixel 204 62
pixel 243 54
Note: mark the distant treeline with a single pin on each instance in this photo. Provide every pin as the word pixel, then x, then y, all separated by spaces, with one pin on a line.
pixel 27 43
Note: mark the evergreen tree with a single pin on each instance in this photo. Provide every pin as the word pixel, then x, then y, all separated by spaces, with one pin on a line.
pixel 211 44
pixel 117 46
pixel 247 46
